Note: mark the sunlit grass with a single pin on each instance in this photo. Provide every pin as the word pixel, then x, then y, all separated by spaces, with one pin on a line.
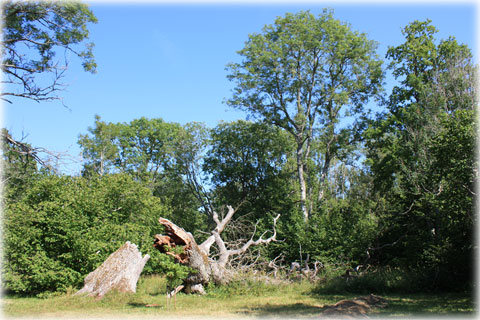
pixel 241 299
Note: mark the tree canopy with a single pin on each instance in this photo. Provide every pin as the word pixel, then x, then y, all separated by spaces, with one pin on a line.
pixel 408 152
pixel 304 74
pixel 34 33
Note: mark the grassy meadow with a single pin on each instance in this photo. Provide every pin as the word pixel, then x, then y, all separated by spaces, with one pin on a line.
pixel 240 299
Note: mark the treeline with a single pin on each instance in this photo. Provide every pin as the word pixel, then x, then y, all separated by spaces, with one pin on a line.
pixel 395 189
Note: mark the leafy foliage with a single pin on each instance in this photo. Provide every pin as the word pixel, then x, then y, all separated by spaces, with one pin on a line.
pixel 304 74
pixel 62 228
pixel 247 163
pixel 99 149
pixel 425 177
pixel 160 154
pixel 33 33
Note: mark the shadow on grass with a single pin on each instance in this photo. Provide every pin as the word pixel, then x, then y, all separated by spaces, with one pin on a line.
pixel 294 309
pixel 429 304
pixel 145 305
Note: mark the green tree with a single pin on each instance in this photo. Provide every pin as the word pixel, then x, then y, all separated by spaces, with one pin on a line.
pixel 158 153
pixel 183 186
pixel 249 164
pixel 408 152
pixel 246 160
pixel 146 147
pixel 304 74
pixel 33 33
pixel 99 148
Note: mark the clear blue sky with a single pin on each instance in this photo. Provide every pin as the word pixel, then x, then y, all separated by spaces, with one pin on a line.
pixel 168 61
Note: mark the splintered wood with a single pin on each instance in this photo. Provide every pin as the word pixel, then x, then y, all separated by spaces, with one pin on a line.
pixel 175 237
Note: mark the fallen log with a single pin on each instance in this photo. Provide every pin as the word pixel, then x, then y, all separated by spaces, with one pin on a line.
pixel 354 308
pixel 120 271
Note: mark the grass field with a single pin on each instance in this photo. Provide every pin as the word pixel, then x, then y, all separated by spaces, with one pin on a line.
pixel 243 299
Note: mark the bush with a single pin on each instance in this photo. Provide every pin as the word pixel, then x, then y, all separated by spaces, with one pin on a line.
pixel 380 281
pixel 248 285
pixel 62 228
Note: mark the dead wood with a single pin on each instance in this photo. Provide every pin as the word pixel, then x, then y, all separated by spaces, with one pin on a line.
pixel 120 271
pixel 190 253
pixel 354 308
pixel 175 291
pixel 197 256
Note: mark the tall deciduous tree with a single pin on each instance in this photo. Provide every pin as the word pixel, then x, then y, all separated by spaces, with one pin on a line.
pixel 144 147
pixel 147 146
pixel 416 167
pixel 304 74
pixel 33 33
pixel 435 81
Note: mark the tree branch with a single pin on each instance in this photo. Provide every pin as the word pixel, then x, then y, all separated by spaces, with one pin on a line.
pixel 205 246
pixel 225 253
pixel 259 241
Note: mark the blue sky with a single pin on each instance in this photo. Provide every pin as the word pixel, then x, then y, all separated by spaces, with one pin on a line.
pixel 168 61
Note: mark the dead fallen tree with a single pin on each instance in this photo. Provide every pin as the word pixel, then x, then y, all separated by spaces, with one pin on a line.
pixel 120 271
pixel 197 256
pixel 354 308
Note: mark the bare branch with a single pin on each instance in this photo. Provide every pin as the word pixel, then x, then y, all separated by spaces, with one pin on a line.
pixel 175 291
pixel 198 257
pixel 225 254
pixel 205 246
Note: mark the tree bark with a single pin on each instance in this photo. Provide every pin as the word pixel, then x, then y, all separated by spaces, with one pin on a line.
pixel 302 182
pixel 192 255
pixel 120 271
pixel 197 256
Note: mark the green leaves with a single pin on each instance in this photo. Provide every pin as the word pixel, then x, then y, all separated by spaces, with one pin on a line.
pixel 33 34
pixel 300 65
pixel 245 153
pixel 62 228
pixel 144 147
pixel 247 162
pixel 302 74
pixel 160 154
pixel 420 149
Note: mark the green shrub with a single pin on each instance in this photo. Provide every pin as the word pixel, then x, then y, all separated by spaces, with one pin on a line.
pixel 380 281
pixel 242 287
pixel 62 228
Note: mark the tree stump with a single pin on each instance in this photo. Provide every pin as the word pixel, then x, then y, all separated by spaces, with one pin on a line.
pixel 120 271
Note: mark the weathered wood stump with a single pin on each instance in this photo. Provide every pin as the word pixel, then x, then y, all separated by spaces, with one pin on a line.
pixel 120 271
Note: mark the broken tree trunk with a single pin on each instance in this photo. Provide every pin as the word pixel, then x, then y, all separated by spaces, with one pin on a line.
pixel 192 255
pixel 197 256
pixel 120 271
